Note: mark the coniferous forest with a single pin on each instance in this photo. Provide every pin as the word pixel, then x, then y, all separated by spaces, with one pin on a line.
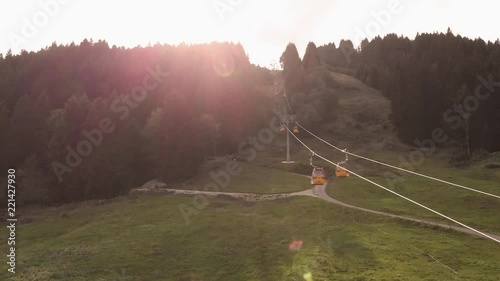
pixel 434 81
pixel 87 120
pixel 91 121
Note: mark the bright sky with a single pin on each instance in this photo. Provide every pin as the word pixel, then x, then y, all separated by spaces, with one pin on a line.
pixel 264 27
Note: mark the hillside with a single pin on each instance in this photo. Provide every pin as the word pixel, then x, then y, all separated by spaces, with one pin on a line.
pixel 144 237
pixel 276 227
pixel 361 124
pixel 362 117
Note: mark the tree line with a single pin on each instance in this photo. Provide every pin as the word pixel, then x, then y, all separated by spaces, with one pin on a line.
pixel 438 80
pixel 84 121
pixel 309 86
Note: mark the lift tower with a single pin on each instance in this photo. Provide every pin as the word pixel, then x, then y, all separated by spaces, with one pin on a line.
pixel 285 116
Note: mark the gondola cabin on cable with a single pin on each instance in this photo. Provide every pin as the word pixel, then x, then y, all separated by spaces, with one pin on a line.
pixel 282 128
pixel 340 172
pixel 295 130
pixel 318 176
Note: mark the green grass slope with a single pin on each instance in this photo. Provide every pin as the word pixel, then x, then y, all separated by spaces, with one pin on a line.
pixel 474 209
pixel 249 179
pixel 145 238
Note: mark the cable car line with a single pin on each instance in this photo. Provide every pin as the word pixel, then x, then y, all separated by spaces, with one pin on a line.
pixel 398 168
pixel 395 193
pixel 285 94
pixel 278 102
pixel 287 101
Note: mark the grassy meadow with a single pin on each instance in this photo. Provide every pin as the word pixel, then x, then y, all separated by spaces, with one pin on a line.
pixel 144 237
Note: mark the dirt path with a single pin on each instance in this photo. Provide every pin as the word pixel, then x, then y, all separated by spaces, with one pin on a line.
pixel 157 187
pixel 320 192
pixel 317 192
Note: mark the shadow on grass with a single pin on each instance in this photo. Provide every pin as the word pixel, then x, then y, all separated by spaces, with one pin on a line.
pixel 347 247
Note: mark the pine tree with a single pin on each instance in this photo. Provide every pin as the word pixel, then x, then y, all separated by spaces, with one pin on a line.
pixel 311 57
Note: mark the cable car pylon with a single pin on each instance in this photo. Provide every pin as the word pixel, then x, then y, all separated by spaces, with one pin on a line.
pixel 286 119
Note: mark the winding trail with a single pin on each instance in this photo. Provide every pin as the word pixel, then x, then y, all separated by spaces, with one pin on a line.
pixel 318 191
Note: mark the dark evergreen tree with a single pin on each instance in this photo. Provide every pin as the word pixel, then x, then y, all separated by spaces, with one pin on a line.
pixel 311 58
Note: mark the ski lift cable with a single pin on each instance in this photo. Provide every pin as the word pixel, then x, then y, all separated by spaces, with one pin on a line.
pixel 286 95
pixel 395 193
pixel 398 168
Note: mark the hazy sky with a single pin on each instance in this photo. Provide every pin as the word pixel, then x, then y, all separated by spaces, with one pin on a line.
pixel 264 27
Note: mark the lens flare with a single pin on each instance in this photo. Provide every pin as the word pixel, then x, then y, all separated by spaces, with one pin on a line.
pixel 223 64
pixel 295 245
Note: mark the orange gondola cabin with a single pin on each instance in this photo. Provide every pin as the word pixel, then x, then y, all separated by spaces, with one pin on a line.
pixel 340 172
pixel 318 176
